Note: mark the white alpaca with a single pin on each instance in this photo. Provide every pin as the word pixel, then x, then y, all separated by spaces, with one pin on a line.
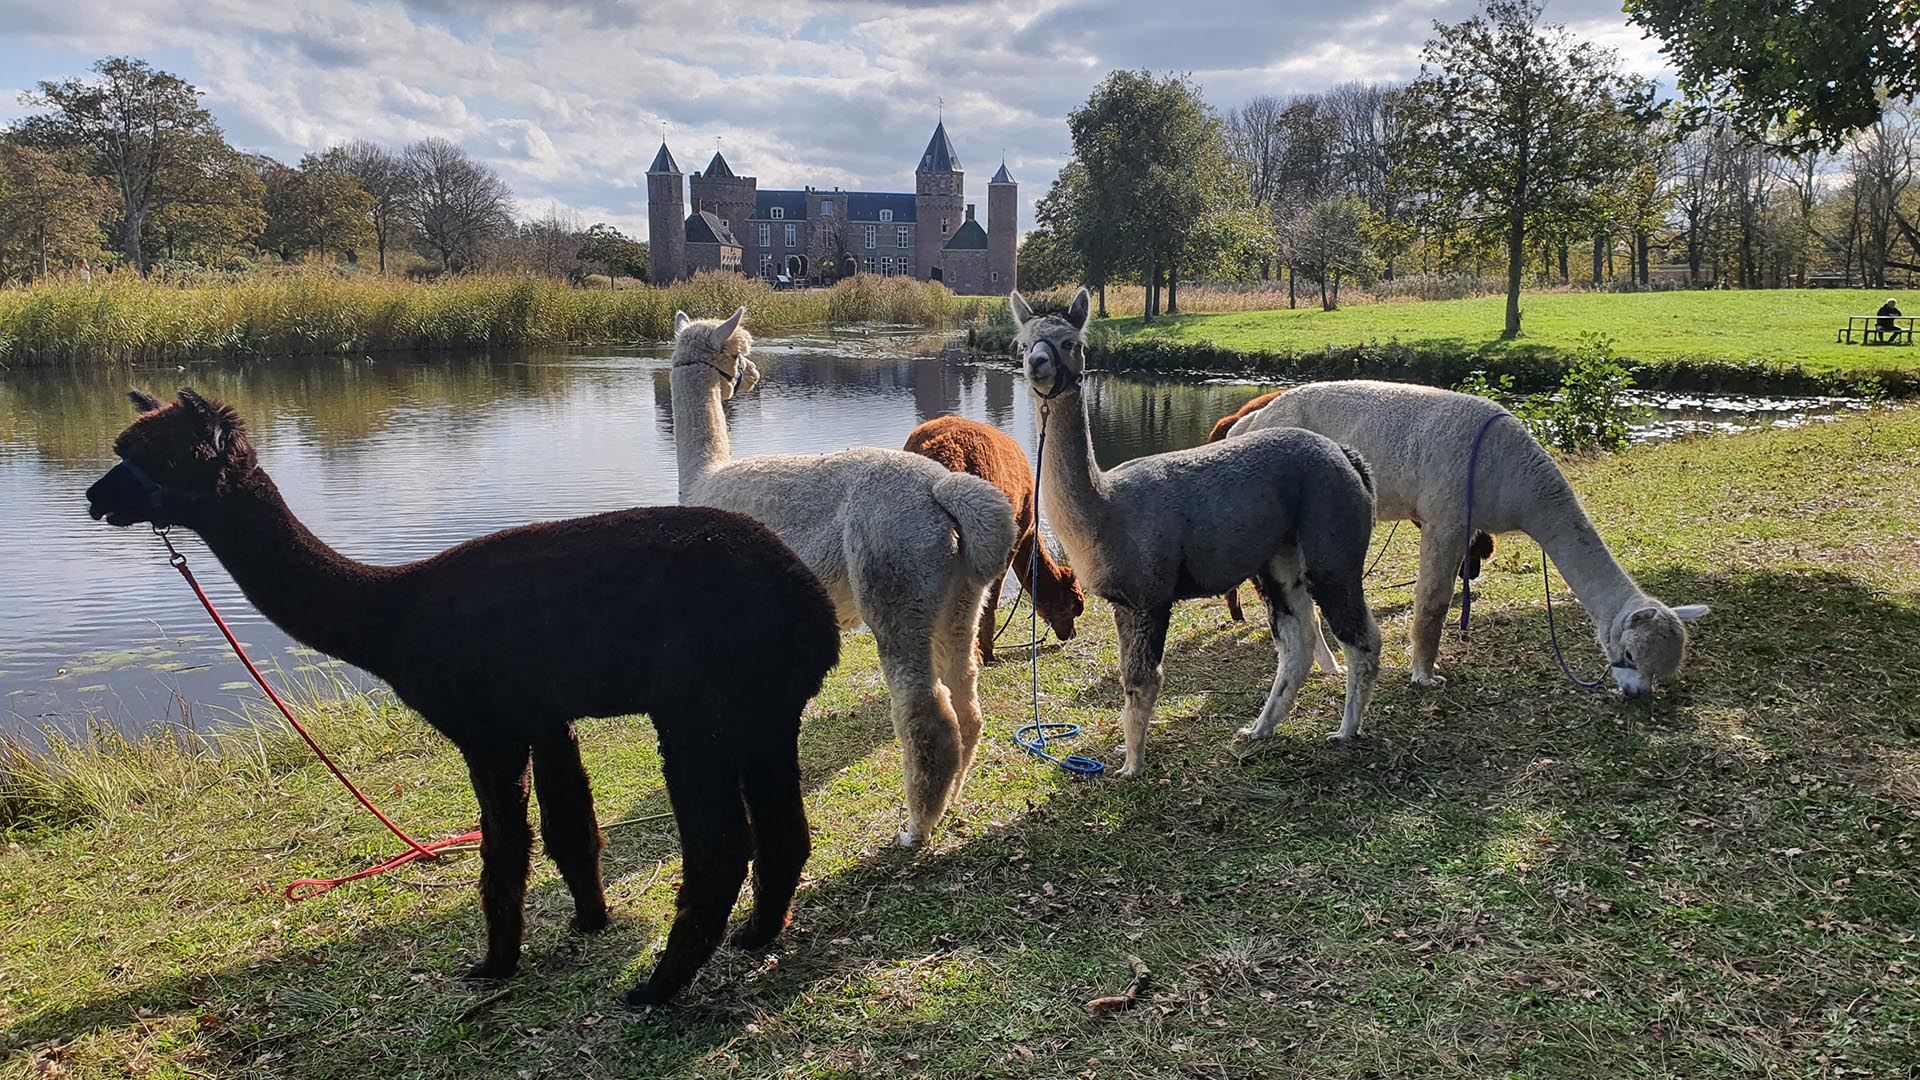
pixel 1417 438
pixel 900 542
pixel 1289 508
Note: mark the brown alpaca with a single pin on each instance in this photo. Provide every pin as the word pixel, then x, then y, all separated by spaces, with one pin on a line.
pixel 969 446
pixel 1477 552
pixel 700 618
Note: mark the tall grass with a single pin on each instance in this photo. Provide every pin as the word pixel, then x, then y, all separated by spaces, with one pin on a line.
pixel 126 319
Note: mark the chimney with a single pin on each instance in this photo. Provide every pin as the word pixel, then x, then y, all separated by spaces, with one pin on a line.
pixel 969 211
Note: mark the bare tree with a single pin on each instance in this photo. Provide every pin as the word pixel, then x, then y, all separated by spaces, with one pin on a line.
pixel 458 204
pixel 387 180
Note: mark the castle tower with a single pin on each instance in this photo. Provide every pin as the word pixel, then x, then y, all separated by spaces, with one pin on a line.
pixel 938 196
pixel 1003 232
pixel 666 219
pixel 719 192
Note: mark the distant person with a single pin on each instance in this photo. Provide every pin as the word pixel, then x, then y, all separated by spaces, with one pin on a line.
pixel 1889 329
pixel 86 269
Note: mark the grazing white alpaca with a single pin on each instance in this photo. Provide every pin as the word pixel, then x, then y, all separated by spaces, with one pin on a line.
pixel 1288 508
pixel 1417 439
pixel 900 542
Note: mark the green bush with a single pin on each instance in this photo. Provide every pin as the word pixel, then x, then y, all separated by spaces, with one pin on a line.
pixel 1590 412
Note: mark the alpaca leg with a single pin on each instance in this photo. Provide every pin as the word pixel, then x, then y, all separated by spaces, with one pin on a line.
pixel 1440 552
pixel 1233 605
pixel 715 843
pixel 924 722
pixel 569 828
pixel 777 812
pixel 953 658
pixel 1322 655
pixel 1290 617
pixel 1143 641
pixel 506 846
pixel 1345 606
pixel 988 613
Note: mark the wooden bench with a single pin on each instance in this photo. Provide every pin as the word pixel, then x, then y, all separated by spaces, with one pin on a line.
pixel 1870 331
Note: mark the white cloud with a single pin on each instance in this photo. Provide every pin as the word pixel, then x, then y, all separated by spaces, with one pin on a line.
pixel 567 99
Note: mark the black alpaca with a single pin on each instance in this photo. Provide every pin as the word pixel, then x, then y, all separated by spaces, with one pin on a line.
pixel 700 618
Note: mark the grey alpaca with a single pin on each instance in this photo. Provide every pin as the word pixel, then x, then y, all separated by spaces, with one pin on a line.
pixel 1292 509
pixel 1417 438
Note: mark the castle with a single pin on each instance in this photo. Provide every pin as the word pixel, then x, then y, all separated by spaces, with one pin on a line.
pixel 814 235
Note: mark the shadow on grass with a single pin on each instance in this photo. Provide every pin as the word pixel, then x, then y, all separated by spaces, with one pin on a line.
pixel 1324 857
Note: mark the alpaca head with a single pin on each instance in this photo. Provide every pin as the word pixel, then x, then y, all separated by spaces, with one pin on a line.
pixel 1052 347
pixel 1061 601
pixel 1649 644
pixel 174 461
pixel 720 345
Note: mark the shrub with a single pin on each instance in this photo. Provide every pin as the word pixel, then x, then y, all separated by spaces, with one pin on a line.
pixel 1590 411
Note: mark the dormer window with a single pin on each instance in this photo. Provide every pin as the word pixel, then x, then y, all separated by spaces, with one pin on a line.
pixel 778 213
pixel 886 215
pixel 826 208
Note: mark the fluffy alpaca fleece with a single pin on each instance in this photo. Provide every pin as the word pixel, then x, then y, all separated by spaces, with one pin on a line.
pixel 1417 439
pixel 1292 510
pixel 972 447
pixel 1478 552
pixel 900 543
pixel 502 642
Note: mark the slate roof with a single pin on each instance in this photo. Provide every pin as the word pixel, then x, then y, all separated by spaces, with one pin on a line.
pixel 968 237
pixel 663 161
pixel 717 168
pixel 792 202
pixel 1003 176
pixel 706 227
pixel 862 206
pixel 939 156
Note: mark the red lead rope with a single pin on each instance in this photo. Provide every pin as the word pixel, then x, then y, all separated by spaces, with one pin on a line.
pixel 308 888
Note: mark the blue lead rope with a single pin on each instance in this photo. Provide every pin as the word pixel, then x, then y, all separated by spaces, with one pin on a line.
pixel 1033 737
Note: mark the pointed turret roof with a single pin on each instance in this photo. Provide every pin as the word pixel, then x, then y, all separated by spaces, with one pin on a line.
pixel 1003 176
pixel 939 156
pixel 663 161
pixel 717 168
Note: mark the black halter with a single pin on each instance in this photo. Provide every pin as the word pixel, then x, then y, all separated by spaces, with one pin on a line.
pixel 1064 378
pixel 164 502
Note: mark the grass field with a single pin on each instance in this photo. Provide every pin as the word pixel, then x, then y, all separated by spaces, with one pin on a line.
pixel 1504 877
pixel 1774 326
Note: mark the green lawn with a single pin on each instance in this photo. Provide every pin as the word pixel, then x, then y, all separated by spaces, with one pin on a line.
pixel 1504 877
pixel 1773 326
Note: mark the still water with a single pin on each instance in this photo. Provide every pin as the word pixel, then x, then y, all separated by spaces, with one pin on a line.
pixel 394 458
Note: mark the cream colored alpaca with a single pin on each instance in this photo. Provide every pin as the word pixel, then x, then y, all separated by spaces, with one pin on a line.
pixel 901 544
pixel 1417 438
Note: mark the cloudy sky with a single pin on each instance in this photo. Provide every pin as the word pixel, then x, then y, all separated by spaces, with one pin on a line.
pixel 567 99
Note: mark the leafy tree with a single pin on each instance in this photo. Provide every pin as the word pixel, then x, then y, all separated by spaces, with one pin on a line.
pixel 1800 75
pixel 615 252
pixel 458 205
pixel 214 211
pixel 140 129
pixel 318 207
pixel 1327 244
pixel 1046 262
pixel 1080 218
pixel 1512 126
pixel 389 185
pixel 47 213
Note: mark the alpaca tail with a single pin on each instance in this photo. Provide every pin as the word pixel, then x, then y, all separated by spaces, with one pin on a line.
pixel 1360 466
pixel 985 520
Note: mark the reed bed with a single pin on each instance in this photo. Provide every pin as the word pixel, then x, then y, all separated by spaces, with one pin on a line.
pixel 124 319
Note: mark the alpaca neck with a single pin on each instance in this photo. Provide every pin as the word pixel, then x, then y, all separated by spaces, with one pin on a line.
pixel 319 597
pixel 1074 489
pixel 699 426
pixel 1051 593
pixel 1574 545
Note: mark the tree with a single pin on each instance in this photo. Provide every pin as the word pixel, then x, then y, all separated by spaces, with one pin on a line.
pixel 457 204
pixel 47 212
pixel 388 182
pixel 1513 126
pixel 1046 262
pixel 214 209
pixel 1326 244
pixel 318 207
pixel 142 130
pixel 1074 213
pixel 1794 74
pixel 614 251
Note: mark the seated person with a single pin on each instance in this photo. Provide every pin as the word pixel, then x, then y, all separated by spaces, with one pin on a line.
pixel 1887 329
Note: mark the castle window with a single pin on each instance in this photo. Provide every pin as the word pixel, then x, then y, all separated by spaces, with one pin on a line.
pixel 766 235
pixel 946 224
pixel 886 215
pixel 793 236
pixel 873 237
pixel 766 264
pixel 903 237
pixel 886 265
pixel 778 212
pixel 868 263
pixel 826 208
pixel 996 275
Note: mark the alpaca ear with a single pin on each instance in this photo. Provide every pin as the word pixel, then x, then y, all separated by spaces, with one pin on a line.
pixel 1077 313
pixel 680 322
pixel 220 421
pixel 143 403
pixel 1641 618
pixel 1021 312
pixel 725 330
pixel 1692 613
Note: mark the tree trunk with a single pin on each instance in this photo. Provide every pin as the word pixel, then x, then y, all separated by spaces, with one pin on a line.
pixel 1336 291
pixel 1641 242
pixel 1599 242
pixel 1151 303
pixel 130 241
pixel 1103 297
pixel 1565 278
pixel 41 233
pixel 1516 267
pixel 1173 288
pixel 1292 300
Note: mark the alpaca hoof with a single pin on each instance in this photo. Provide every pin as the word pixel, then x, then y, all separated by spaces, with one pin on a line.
pixel 491 970
pixel 1129 770
pixel 1250 733
pixel 588 922
pixel 751 938
pixel 1341 738
pixel 1430 682
pixel 906 839
pixel 646 996
pixel 1334 670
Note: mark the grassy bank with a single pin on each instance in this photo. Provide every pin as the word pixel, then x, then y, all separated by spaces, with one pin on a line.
pixel 125 319
pixel 1776 341
pixel 1504 877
